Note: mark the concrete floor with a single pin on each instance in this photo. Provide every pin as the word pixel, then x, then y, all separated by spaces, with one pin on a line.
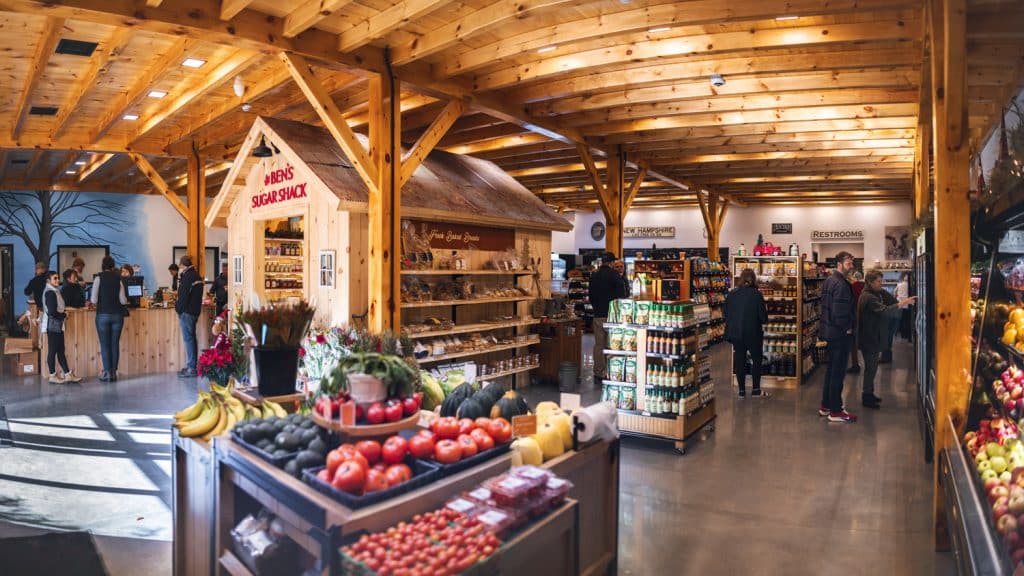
pixel 773 490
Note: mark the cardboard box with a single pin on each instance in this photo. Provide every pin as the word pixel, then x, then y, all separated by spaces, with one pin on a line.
pixel 18 345
pixel 28 364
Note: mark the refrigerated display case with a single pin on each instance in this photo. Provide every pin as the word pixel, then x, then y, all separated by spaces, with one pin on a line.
pixel 924 278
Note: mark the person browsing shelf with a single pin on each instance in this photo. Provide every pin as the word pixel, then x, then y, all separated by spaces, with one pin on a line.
pixel 745 316
pixel 605 285
pixel 877 310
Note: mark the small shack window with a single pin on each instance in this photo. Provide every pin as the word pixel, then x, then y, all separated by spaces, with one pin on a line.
pixel 327 268
pixel 236 268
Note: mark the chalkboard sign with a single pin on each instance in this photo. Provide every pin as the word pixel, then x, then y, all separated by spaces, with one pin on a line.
pixel 782 228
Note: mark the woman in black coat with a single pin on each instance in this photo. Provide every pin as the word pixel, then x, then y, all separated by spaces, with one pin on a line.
pixel 745 315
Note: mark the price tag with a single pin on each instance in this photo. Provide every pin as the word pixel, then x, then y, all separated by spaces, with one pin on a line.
pixel 524 425
pixel 348 414
pixel 569 402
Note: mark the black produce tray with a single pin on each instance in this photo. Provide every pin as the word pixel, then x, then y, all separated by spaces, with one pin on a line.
pixel 423 473
pixel 449 469
pixel 263 454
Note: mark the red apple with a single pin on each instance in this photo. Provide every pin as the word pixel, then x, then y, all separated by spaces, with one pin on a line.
pixel 1018 556
pixel 1006 525
pixel 1016 504
pixel 1011 539
pixel 991 483
pixel 998 492
pixel 1001 508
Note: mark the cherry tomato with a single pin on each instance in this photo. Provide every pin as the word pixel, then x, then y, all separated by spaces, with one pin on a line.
pixel 393 411
pixel 446 428
pixel 370 449
pixel 398 473
pixel 334 459
pixel 349 477
pixel 447 452
pixel 467 446
pixel 375 481
pixel 421 447
pixel 482 438
pixel 500 430
pixel 466 425
pixel 375 413
pixel 409 406
pixel 395 449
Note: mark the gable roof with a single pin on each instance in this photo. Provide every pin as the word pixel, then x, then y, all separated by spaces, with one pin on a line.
pixel 445 186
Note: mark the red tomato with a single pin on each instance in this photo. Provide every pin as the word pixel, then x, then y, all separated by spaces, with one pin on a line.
pixel 334 459
pixel 375 413
pixel 380 466
pixel 395 449
pixel 324 475
pixel 447 428
pixel 370 449
pixel 376 481
pixel 398 473
pixel 426 433
pixel 482 423
pixel 393 411
pixel 409 406
pixel 467 445
pixel 421 447
pixel 482 438
pixel 500 430
pixel 466 425
pixel 349 477
pixel 349 452
pixel 447 452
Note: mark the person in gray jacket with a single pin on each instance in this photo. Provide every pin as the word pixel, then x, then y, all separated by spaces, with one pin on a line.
pixel 877 310
pixel 53 317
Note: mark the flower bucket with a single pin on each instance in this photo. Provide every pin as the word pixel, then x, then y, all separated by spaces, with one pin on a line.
pixel 366 389
pixel 276 369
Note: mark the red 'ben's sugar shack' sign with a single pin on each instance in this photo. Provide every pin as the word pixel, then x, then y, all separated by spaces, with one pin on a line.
pixel 289 190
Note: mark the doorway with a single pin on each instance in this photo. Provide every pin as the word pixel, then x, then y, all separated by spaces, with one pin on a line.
pixel 7 287
pixel 92 256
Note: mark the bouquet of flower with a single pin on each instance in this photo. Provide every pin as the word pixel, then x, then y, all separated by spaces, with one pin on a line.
pixel 277 326
pixel 321 350
pixel 217 364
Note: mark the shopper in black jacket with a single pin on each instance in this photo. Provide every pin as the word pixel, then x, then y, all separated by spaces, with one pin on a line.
pixel 219 290
pixel 188 307
pixel 836 328
pixel 109 298
pixel 745 315
pixel 605 285
pixel 877 309
pixel 71 290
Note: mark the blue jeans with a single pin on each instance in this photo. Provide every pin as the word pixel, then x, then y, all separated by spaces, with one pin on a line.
pixel 838 356
pixel 188 334
pixel 109 326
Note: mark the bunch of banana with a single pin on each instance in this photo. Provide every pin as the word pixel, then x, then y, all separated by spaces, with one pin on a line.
pixel 217 411
pixel 272 409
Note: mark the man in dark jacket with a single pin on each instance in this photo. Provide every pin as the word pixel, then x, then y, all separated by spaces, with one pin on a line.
pixel 37 284
pixel 875 311
pixel 188 307
pixel 71 290
pixel 745 315
pixel 219 290
pixel 605 285
pixel 836 328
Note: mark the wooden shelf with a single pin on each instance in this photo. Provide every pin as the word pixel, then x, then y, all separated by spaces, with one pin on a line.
pixel 440 303
pixel 618 383
pixel 290 240
pixel 232 565
pixel 609 352
pixel 496 375
pixel 468 272
pixel 283 289
pixel 480 327
pixel 282 257
pixel 528 342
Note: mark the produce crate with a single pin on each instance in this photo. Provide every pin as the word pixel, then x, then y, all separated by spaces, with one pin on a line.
pixel 18 345
pixel 423 473
pixel 192 469
pixel 548 547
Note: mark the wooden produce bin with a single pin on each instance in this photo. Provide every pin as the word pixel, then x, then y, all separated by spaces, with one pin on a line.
pixel 594 472
pixel 550 547
pixel 559 342
pixel 193 508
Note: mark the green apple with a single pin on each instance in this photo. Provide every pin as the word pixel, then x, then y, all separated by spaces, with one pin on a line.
pixel 1016 461
pixel 998 464
pixel 1005 477
pixel 989 474
pixel 994 449
pixel 980 457
pixel 984 465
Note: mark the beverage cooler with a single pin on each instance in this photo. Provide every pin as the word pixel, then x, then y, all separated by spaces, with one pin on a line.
pixel 924 278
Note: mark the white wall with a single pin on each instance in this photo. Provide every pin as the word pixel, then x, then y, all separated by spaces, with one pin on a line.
pixel 565 242
pixel 744 224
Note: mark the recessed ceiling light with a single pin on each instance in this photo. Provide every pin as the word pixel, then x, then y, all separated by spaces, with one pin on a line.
pixel 545 49
pixel 193 62
pixel 659 29
pixel 157 94
pixel 781 18
pixel 130 117
pixel 69 171
pixel 80 163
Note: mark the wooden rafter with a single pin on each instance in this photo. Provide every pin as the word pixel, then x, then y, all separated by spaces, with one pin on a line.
pixel 385 22
pixel 33 163
pixel 5 158
pixel 331 116
pixel 160 184
pixel 634 187
pixel 52 29
pixel 308 13
pixel 230 8
pixel 426 142
pixel 95 165
pixel 154 3
pixel 591 168
pixel 111 48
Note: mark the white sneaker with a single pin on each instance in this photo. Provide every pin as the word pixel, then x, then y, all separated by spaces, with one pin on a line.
pixel 71 377
pixel 56 378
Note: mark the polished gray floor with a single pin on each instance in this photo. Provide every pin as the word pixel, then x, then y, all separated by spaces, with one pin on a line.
pixel 773 490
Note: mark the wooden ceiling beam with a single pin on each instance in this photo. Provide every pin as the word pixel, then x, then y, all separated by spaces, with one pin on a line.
pixel 878 155
pixel 735 67
pixel 309 13
pixel 703 131
pixel 641 19
pixel 95 165
pixel 68 186
pixel 387 21
pixel 160 184
pixel 5 158
pixel 841 139
pixel 426 142
pixel 499 143
pixel 884 30
pixel 33 163
pixel 688 148
pixel 52 29
pixel 230 8
pixel 98 64
pixel 64 166
pixel 1003 24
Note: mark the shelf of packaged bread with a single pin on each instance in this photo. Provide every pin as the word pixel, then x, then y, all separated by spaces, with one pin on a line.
pixel 496 375
pixel 467 272
pixel 523 344
pixel 440 303
pixel 479 327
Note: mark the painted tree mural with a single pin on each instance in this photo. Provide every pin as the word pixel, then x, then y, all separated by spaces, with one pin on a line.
pixel 41 217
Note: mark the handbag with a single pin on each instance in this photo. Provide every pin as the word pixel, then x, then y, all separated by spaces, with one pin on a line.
pixel 820 352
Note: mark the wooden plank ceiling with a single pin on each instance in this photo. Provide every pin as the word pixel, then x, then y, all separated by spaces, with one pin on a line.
pixel 820 100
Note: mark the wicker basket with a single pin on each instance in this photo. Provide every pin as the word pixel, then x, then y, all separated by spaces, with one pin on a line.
pixel 820 352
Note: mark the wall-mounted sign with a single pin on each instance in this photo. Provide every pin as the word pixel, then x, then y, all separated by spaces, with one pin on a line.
pixel 782 228
pixel 279 186
pixel 836 235
pixel 1012 242
pixel 649 232
pixel 597 231
pixel 463 236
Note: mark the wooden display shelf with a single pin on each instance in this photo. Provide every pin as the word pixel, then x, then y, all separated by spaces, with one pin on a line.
pixel 619 383
pixel 677 429
pixel 495 375
pixel 524 344
pixel 232 565
pixel 251 395
pixel 620 352
pixel 468 272
pixel 282 257
pixel 283 289
pixel 479 327
pixel 441 303
pixel 785 382
pixel 192 471
pixel 291 240
pixel 553 538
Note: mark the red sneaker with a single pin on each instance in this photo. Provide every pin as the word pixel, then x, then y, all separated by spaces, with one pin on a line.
pixel 823 411
pixel 843 416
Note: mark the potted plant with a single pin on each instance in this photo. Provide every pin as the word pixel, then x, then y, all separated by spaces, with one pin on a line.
pixel 277 332
pixel 320 352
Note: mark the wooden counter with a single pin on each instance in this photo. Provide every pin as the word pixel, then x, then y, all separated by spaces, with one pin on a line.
pixel 150 342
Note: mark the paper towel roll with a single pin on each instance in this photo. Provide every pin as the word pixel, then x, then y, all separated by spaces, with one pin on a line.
pixel 597 421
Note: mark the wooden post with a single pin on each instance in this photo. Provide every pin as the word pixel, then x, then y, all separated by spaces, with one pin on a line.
pixel 947 22
pixel 616 200
pixel 196 238
pixel 385 204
